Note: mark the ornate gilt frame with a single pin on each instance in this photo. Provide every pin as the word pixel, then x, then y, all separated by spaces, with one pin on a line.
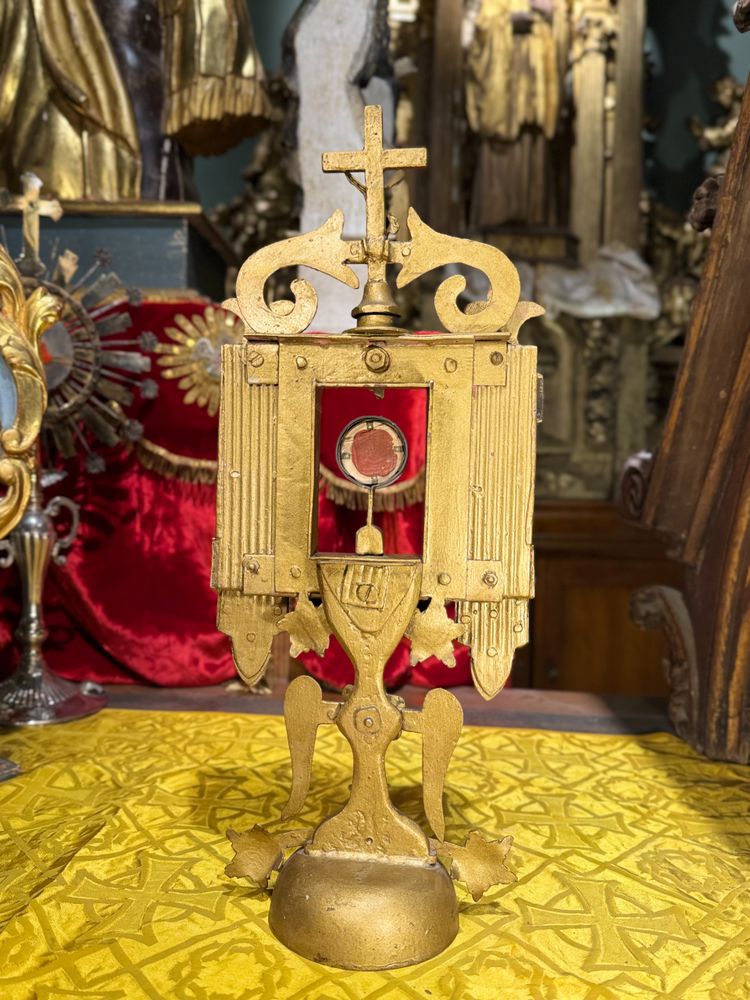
pixel 23 320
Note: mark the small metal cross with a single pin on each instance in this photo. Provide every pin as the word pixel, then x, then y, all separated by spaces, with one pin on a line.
pixel 32 207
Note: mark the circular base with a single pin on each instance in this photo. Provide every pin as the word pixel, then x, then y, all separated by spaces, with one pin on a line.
pixel 363 914
pixel 44 700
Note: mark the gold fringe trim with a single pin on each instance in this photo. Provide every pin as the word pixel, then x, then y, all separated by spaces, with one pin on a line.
pixel 167 463
pixel 389 498
pixel 203 470
pixel 227 101
pixel 174 295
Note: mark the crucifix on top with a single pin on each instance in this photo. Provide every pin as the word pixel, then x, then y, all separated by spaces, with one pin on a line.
pixel 373 161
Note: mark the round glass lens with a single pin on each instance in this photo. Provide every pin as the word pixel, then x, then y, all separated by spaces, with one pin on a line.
pixel 371 451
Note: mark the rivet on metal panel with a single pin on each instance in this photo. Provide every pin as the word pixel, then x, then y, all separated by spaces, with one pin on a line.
pixel 377 359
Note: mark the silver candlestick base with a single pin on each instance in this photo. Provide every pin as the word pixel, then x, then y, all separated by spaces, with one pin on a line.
pixel 34 696
pixel 46 698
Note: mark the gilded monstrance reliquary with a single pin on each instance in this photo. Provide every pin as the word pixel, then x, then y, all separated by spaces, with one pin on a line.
pixel 368 888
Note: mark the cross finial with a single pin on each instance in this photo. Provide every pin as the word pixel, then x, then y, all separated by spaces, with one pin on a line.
pixel 373 161
pixel 32 207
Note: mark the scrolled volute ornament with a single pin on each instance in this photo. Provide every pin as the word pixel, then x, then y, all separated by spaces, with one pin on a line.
pixel 633 485
pixel 429 249
pixel 322 249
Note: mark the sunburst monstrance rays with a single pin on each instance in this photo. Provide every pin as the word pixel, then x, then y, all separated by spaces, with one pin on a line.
pixel 194 356
pixel 94 368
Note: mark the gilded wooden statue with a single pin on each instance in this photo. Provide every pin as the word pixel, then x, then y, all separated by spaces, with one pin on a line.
pixel 554 94
pixel 514 97
pixel 104 99
pixel 368 888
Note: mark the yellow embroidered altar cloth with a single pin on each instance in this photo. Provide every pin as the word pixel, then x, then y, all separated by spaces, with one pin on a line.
pixel 632 855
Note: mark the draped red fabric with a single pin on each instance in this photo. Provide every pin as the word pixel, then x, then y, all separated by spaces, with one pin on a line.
pixel 133 602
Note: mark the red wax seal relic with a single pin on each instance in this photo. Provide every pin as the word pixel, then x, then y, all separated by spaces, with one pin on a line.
pixel 373 454
pixel 371 451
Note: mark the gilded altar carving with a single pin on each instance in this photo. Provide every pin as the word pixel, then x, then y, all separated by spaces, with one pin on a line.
pixel 268 209
pixel 717 136
pixel 23 320
pixel 553 95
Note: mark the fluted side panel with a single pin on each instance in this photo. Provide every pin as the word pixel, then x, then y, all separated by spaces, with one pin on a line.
pixel 500 519
pixel 246 473
pixel 502 472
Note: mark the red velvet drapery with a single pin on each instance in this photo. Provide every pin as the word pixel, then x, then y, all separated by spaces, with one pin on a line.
pixel 133 602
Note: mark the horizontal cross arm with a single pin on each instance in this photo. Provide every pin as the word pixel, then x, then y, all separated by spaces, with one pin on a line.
pixel 334 163
pixel 396 159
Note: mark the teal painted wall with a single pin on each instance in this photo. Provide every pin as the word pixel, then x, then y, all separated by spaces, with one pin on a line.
pixel 690 44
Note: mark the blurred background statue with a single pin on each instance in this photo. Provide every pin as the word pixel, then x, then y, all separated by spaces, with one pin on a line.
pixel 105 100
pixel 516 68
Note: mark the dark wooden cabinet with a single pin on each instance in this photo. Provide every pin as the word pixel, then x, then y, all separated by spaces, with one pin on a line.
pixel 588 563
